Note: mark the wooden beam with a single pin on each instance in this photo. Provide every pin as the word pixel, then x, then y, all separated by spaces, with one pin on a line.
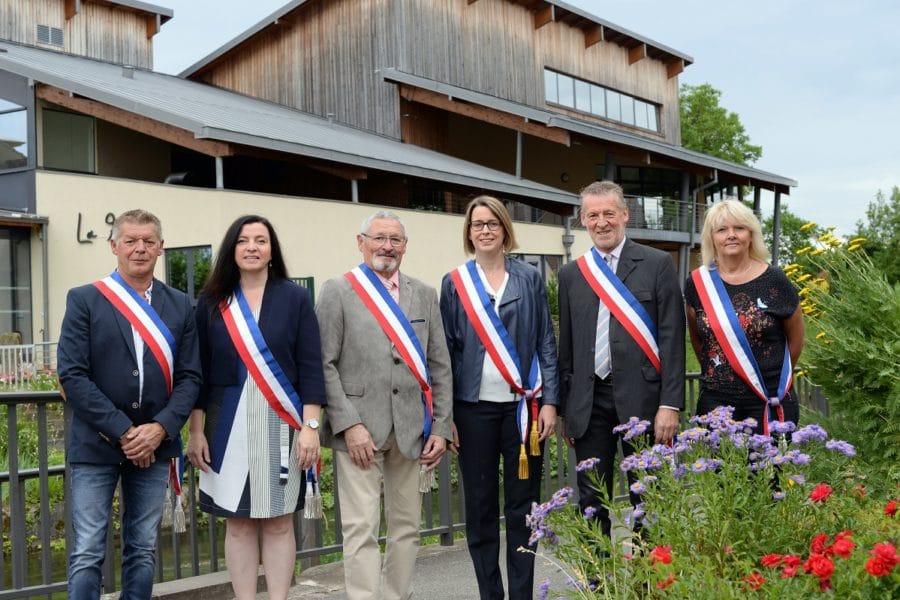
pixel 637 53
pixel 483 113
pixel 153 24
pixel 593 35
pixel 472 1
pixel 132 121
pixel 545 15
pixel 674 68
pixel 347 172
pixel 72 7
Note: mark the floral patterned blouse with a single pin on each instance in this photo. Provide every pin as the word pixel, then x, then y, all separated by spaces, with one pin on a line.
pixel 761 305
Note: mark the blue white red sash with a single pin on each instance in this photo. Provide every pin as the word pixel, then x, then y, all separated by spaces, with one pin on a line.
pixel 731 337
pixel 145 320
pixel 621 303
pixel 251 346
pixel 397 328
pixel 498 344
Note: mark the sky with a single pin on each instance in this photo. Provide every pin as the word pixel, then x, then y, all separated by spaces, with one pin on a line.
pixel 815 83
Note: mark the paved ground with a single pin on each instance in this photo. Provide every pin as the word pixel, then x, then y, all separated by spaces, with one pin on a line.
pixel 442 573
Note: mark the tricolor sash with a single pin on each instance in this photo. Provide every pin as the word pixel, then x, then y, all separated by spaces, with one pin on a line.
pixel 397 328
pixel 731 337
pixel 621 303
pixel 251 346
pixel 499 346
pixel 144 319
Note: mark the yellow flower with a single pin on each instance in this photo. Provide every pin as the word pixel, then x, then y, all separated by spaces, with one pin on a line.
pixel 804 291
pixel 834 242
pixel 817 252
pixel 804 250
pixel 820 335
pixel 825 236
pixel 807 226
pixel 800 373
pixel 803 277
pixel 858 240
pixel 854 247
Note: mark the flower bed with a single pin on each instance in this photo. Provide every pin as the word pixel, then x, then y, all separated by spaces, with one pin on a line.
pixel 727 514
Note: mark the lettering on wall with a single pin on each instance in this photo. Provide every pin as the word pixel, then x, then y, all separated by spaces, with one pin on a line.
pixel 90 236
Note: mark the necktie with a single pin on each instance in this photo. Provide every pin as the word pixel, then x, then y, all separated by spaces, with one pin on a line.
pixel 602 363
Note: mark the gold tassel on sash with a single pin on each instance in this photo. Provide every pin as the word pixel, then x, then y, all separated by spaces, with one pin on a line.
pixel 426 479
pixel 523 463
pixel 533 437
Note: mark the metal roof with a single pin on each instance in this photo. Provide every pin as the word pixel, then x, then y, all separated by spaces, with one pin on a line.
pixel 165 13
pixel 213 113
pixel 565 13
pixel 589 129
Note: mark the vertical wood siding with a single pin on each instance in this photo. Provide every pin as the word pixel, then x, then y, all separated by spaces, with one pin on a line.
pixel 97 31
pixel 327 60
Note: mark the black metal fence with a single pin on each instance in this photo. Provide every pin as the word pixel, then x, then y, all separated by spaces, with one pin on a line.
pixel 32 555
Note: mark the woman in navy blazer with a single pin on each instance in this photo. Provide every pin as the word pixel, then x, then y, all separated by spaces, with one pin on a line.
pixel 252 462
pixel 485 408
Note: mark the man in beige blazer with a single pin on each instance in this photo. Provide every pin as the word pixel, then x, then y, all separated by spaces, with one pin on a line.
pixel 376 413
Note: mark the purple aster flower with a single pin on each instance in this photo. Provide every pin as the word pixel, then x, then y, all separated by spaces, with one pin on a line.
pixel 841 446
pixel 700 465
pixel 679 472
pixel 798 478
pixel 749 425
pixel 589 512
pixel 782 427
pixel 808 433
pixel 587 464
pixel 544 589
pixel 778 495
pixel 797 457
pixel 638 487
pixel 632 428
pixel 738 439
pixel 759 441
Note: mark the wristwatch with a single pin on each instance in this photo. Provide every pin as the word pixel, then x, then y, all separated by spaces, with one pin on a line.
pixel 312 424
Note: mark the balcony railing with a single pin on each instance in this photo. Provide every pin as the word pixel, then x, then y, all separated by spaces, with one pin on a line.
pixel 36 529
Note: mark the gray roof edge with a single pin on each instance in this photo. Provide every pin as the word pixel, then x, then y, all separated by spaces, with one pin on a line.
pixel 527 189
pixel 591 17
pixel 162 11
pixel 241 38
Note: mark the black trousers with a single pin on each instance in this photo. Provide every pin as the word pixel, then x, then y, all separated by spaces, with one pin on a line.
pixel 487 433
pixel 599 441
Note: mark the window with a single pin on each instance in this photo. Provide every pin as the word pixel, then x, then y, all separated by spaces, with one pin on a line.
pixel 68 141
pixel 15 282
pixel 597 100
pixel 188 268
pixel 13 135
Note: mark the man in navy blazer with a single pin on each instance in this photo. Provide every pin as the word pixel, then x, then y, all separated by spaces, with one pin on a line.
pixel 128 401
pixel 602 387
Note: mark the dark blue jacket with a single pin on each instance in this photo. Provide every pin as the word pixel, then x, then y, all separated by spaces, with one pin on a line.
pixel 291 331
pixel 98 372
pixel 524 312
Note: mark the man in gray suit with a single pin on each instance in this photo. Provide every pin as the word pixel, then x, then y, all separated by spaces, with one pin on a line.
pixel 608 371
pixel 386 361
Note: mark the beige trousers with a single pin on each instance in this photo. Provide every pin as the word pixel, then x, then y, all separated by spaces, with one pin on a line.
pixel 359 493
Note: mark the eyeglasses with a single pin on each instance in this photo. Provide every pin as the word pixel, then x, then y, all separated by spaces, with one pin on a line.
pixel 379 240
pixel 480 225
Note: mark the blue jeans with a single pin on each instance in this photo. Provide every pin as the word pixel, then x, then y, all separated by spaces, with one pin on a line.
pixel 91 491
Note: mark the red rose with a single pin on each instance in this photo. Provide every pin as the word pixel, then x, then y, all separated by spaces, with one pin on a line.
pixel 791 560
pixel 788 572
pixel 886 552
pixel 664 584
pixel 877 567
pixel 817 546
pixel 820 493
pixel 844 534
pixel 891 508
pixel 843 546
pixel 771 560
pixel 754 581
pixel 819 565
pixel 661 554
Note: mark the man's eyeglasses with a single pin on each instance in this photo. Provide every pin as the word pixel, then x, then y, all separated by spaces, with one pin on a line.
pixel 379 240
pixel 480 225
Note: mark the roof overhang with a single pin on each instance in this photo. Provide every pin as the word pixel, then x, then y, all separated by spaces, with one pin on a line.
pixel 550 121
pixel 21 219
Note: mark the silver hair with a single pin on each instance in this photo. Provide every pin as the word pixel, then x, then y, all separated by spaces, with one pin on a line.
pixel 381 214
pixel 137 216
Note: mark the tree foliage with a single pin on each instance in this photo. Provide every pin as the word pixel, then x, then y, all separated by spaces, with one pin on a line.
pixel 796 234
pixel 711 129
pixel 882 233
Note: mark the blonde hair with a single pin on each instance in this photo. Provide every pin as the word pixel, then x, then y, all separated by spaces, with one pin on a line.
pixel 496 207
pixel 735 212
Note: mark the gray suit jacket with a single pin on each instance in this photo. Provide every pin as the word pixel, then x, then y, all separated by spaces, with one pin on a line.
pixel 366 379
pixel 638 390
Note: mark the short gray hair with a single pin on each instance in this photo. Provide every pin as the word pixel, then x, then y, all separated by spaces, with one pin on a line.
pixel 380 214
pixel 137 216
pixel 604 188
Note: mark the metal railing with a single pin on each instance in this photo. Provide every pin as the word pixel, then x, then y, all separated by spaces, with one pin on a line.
pixel 36 543
pixel 22 365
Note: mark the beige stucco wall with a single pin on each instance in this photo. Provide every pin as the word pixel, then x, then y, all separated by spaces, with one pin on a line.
pixel 317 236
